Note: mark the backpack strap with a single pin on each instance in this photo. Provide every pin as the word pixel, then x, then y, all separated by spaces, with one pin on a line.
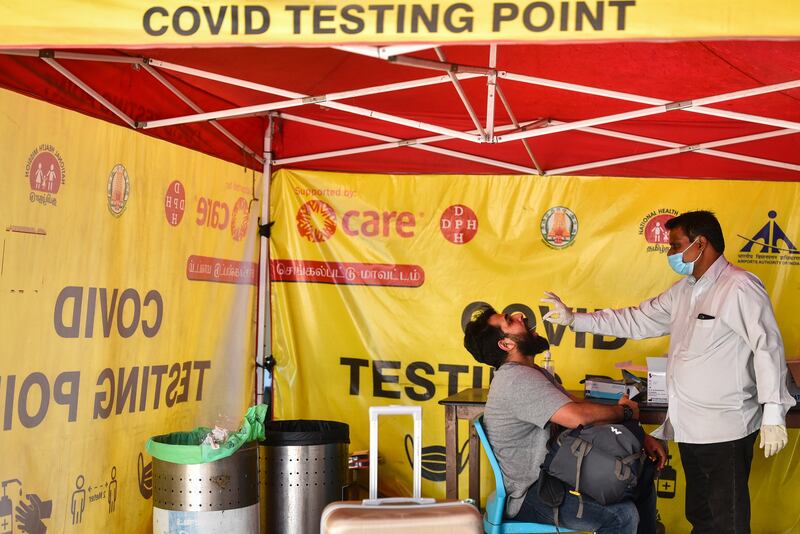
pixel 622 467
pixel 555 519
pixel 579 448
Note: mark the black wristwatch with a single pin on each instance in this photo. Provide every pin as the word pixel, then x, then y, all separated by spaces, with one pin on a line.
pixel 627 413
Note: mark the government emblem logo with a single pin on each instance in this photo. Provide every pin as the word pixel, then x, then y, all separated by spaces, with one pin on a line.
pixel 559 227
pixel 118 189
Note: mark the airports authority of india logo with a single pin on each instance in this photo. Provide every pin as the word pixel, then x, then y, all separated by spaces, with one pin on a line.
pixel 316 221
pixel 559 227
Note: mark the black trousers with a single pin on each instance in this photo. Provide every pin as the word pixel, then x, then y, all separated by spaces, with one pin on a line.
pixel 717 497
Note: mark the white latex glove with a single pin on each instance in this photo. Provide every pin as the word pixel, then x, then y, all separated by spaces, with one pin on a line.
pixel 561 314
pixel 773 439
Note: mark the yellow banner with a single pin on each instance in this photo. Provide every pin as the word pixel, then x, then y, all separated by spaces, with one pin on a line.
pixel 372 275
pixel 82 23
pixel 127 288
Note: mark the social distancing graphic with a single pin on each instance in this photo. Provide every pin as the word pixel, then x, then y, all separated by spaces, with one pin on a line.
pixel 108 338
pixel 342 345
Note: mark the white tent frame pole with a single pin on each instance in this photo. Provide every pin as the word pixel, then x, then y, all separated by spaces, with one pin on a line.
pixel 577 125
pixel 675 148
pixel 230 80
pixel 301 101
pixel 619 95
pixel 463 96
pixel 264 320
pixel 491 83
pixel 694 106
pixel 405 122
pixel 382 52
pixel 333 105
pixel 577 88
pixel 671 144
pixel 515 122
pixel 186 100
pixel 20 52
pixel 391 142
pixel 88 90
pixel 78 56
pixel 409 61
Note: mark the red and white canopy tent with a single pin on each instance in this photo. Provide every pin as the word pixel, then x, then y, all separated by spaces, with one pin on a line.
pixel 537 103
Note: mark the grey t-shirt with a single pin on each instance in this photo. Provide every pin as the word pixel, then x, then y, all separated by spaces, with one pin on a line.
pixel 520 404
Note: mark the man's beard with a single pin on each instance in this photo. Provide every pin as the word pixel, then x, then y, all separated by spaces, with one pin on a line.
pixel 530 345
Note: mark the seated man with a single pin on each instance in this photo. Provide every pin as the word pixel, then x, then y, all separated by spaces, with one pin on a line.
pixel 523 401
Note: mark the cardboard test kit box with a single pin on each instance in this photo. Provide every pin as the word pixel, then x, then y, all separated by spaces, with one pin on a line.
pixel 657 380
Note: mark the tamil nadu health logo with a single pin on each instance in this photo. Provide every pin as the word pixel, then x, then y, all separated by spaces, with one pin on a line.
pixel 653 227
pixel 118 189
pixel 559 227
pixel 769 245
pixel 46 174
pixel 316 221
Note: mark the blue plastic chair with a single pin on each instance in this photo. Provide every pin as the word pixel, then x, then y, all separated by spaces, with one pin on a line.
pixel 493 521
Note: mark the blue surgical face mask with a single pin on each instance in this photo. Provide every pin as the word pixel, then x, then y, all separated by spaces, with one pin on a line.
pixel 680 266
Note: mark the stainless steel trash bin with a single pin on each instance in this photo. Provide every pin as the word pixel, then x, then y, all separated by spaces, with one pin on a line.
pixel 305 469
pixel 212 498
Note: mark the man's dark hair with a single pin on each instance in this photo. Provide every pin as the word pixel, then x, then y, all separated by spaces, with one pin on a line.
pixel 699 223
pixel 481 338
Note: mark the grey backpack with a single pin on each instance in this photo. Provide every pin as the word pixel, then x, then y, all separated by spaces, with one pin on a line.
pixel 604 462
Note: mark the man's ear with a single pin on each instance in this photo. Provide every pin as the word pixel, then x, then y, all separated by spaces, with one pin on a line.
pixel 506 344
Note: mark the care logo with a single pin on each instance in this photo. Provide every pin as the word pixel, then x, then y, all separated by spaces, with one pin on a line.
pixel 218 214
pixel 559 227
pixel 46 174
pixel 316 221
pixel 175 203
pixel 239 219
pixel 118 189
pixel 653 228
pixel 772 244
pixel 458 224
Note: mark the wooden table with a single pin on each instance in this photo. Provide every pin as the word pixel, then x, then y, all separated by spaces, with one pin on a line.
pixel 468 404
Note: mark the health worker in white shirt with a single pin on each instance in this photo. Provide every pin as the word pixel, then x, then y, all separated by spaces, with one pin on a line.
pixel 726 369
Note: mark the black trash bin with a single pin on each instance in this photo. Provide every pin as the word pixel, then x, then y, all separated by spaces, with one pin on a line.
pixel 304 468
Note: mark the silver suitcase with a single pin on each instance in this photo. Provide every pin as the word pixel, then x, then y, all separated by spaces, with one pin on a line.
pixel 399 515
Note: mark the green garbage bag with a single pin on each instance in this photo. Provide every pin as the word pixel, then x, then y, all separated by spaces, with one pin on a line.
pixel 187 447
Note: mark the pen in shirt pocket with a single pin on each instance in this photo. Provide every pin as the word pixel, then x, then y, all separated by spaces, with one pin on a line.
pixel 704 317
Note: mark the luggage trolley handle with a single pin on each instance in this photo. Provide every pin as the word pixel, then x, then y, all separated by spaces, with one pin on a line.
pixel 374 413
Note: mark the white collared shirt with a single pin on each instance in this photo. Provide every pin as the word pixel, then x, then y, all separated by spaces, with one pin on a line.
pixel 725 353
